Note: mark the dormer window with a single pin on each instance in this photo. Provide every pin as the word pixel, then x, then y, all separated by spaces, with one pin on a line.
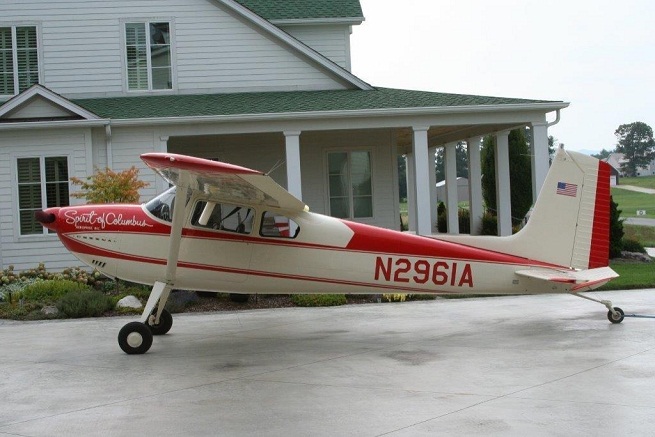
pixel 148 56
pixel 19 59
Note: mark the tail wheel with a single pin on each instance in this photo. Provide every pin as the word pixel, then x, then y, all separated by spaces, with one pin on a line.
pixel 164 325
pixel 135 338
pixel 615 317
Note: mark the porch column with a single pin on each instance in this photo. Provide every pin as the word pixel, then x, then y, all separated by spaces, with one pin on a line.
pixel 503 191
pixel 161 184
pixel 450 152
pixel 540 157
pixel 422 179
pixel 411 191
pixel 292 143
pixel 475 184
pixel 433 188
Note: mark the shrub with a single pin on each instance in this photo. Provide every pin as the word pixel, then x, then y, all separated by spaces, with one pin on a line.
pixel 633 246
pixel 463 217
pixel 50 291
pixel 394 297
pixel 84 303
pixel 318 300
pixel 489 224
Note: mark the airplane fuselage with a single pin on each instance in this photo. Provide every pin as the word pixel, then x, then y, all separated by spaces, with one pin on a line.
pixel 327 255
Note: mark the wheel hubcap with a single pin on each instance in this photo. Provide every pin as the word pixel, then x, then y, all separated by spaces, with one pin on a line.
pixel 134 339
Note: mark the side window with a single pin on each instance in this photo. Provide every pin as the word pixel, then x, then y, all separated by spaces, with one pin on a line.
pixel 223 217
pixel 42 183
pixel 276 225
pixel 19 59
pixel 148 56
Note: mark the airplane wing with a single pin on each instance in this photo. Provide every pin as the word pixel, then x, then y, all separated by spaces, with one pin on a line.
pixel 223 182
pixel 580 280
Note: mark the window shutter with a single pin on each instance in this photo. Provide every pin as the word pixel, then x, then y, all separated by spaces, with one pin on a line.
pixel 6 62
pixel 27 57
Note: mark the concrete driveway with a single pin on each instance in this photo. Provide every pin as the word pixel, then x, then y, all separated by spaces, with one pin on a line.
pixel 532 365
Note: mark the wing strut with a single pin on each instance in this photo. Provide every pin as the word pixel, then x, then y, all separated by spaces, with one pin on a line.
pixel 136 337
pixel 161 290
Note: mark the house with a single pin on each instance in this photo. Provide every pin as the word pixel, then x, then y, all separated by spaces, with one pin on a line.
pixel 616 160
pixel 91 83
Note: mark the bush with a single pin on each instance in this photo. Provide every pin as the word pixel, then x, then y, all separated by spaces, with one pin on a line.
pixel 489 224
pixel 50 291
pixel 318 300
pixel 84 303
pixel 633 246
pixel 463 217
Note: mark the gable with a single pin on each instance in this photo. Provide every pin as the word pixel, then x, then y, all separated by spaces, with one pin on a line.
pixel 39 108
pixel 38 103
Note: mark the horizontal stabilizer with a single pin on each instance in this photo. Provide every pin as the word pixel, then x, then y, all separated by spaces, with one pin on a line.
pixel 582 279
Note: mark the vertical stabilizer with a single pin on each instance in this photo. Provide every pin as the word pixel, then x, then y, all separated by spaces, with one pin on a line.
pixel 570 222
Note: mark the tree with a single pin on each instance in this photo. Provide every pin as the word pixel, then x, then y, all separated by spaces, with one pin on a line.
pixel 107 186
pixel 616 230
pixel 604 154
pixel 635 141
pixel 461 159
pixel 520 174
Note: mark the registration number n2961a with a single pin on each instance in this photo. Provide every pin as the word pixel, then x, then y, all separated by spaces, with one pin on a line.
pixel 421 271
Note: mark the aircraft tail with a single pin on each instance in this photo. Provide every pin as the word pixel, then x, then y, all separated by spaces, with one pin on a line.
pixel 570 222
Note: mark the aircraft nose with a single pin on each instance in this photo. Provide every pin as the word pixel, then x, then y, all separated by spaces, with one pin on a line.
pixel 47 217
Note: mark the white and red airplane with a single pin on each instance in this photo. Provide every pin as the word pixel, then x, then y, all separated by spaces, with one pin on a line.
pixel 240 232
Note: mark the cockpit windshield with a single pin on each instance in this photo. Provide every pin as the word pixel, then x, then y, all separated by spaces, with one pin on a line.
pixel 162 205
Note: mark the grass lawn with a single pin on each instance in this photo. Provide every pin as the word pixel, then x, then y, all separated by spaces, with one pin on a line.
pixel 633 275
pixel 643 234
pixel 644 181
pixel 630 201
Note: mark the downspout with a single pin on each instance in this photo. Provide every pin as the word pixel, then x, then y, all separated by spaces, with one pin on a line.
pixel 110 160
pixel 553 123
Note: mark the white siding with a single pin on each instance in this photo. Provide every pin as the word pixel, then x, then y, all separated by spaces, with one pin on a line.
pixel 27 251
pixel 331 41
pixel 82 47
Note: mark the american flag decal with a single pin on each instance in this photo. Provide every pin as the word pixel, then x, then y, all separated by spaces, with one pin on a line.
pixel 566 189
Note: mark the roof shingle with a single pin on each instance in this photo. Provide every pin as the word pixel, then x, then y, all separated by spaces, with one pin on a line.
pixel 164 106
pixel 304 9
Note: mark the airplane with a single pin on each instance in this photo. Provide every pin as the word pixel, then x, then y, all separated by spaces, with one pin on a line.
pixel 238 231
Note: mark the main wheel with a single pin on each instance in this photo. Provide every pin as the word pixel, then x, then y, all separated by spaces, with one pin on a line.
pixel 615 318
pixel 135 338
pixel 164 325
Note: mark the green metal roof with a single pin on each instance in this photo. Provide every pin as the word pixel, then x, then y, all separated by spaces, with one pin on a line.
pixel 304 9
pixel 282 102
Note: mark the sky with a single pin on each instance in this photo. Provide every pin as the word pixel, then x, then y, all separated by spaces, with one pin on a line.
pixel 597 55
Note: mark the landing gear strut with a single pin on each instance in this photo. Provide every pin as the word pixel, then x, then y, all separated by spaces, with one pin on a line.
pixel 614 314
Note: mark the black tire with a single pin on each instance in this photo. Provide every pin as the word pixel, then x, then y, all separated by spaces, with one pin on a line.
pixel 164 325
pixel 239 298
pixel 135 338
pixel 615 318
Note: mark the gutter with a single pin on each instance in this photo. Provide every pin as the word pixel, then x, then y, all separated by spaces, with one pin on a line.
pixel 439 110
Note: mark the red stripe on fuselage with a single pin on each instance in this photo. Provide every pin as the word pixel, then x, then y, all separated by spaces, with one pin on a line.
pixel 376 240
pixel 600 237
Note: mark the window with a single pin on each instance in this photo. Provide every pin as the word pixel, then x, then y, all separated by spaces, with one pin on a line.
pixel 223 217
pixel 148 56
pixel 276 225
pixel 19 59
pixel 350 190
pixel 42 183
